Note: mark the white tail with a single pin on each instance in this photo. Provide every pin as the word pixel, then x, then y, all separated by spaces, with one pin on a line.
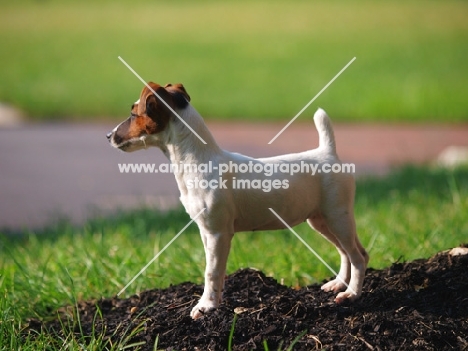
pixel 325 131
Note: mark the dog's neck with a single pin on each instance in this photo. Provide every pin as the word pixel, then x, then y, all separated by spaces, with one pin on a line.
pixel 181 145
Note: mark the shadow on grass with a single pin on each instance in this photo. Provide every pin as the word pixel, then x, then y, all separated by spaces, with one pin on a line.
pixel 139 222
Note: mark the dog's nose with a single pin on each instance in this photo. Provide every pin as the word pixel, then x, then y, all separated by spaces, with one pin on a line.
pixel 109 135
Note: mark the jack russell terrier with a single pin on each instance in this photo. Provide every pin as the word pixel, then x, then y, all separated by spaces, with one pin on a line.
pixel 324 200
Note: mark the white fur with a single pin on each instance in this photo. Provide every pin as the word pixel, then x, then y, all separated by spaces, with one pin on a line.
pixel 324 200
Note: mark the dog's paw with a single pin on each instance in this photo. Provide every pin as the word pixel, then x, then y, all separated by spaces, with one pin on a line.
pixel 202 308
pixel 347 295
pixel 334 285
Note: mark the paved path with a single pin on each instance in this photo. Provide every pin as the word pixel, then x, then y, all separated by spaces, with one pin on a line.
pixel 48 171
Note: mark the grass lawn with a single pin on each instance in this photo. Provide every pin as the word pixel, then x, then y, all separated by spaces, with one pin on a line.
pixel 412 213
pixel 260 60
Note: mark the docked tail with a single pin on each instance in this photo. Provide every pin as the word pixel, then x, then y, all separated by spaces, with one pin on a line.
pixel 325 131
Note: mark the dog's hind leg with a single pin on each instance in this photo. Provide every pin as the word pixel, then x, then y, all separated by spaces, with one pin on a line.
pixel 342 225
pixel 353 256
pixel 338 284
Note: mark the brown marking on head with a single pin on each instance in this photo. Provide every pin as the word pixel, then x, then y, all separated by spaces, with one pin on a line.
pixel 151 116
pixel 179 94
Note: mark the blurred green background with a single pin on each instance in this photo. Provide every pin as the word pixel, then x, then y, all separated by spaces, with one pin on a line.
pixel 261 60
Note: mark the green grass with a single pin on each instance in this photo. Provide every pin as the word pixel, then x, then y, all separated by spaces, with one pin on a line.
pixel 412 213
pixel 259 60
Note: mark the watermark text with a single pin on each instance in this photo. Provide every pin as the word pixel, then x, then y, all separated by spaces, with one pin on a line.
pixel 233 168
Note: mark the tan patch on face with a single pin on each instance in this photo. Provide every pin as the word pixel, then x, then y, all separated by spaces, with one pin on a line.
pixel 141 125
pixel 149 115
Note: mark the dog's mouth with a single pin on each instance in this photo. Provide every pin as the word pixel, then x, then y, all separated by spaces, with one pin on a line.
pixel 124 146
pixel 130 145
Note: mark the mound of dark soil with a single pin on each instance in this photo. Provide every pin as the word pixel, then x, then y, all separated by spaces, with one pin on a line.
pixel 420 305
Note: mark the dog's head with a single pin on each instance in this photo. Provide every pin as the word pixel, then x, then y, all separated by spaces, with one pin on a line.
pixel 149 117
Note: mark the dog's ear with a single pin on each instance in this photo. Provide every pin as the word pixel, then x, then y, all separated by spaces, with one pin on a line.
pixel 180 97
pixel 151 105
pixel 154 108
pixel 149 102
pixel 175 95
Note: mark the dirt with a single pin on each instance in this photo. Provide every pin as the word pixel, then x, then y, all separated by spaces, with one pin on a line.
pixel 418 305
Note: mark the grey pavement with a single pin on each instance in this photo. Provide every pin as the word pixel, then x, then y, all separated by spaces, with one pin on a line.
pixel 51 171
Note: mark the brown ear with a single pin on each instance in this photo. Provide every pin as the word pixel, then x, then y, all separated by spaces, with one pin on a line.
pixel 179 95
pixel 151 105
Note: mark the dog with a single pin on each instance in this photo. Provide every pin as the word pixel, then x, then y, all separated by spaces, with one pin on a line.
pixel 324 200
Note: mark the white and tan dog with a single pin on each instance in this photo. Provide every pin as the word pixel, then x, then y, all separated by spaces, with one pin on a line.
pixel 324 200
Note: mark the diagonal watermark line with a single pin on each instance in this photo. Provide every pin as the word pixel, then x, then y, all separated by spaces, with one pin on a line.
pixel 311 101
pixel 310 249
pixel 164 102
pixel 160 252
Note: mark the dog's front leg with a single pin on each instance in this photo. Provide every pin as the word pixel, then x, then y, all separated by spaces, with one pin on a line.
pixel 217 248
